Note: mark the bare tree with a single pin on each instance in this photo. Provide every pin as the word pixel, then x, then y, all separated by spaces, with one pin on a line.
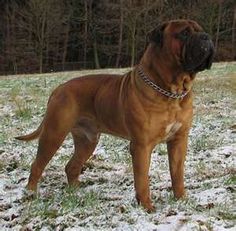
pixel 11 8
pixel 58 34
pixel 93 32
pixel 220 2
pixel 86 18
pixel 134 14
pixel 120 33
pixel 233 34
pixel 42 19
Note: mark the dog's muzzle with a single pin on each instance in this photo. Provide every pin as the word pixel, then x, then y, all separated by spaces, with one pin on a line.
pixel 198 53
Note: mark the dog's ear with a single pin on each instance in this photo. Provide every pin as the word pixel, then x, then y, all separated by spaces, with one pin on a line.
pixel 156 35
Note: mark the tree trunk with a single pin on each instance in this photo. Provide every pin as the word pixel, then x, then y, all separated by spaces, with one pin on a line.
pixel 85 32
pixel 42 42
pixel 57 54
pixel 218 25
pixel 94 39
pixel 233 35
pixel 8 39
pixel 95 52
pixel 41 60
pixel 13 41
pixel 120 34
pixel 133 43
pixel 46 58
pixel 65 45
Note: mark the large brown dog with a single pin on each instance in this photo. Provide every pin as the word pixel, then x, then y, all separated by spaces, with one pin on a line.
pixel 150 104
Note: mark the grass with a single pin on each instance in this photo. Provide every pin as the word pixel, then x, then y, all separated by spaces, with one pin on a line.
pixel 226 212
pixel 58 204
pixel 106 196
pixel 23 109
pixel 161 149
pixel 116 150
pixel 201 168
pixel 205 142
pixel 2 138
pixel 231 180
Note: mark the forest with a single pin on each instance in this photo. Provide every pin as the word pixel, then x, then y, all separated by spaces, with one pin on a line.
pixel 39 36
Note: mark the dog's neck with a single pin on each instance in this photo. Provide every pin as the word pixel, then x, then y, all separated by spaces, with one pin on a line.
pixel 166 73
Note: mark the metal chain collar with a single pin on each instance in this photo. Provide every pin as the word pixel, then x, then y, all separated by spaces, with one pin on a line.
pixel 147 80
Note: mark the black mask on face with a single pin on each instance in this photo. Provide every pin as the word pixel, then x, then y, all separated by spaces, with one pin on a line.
pixel 198 52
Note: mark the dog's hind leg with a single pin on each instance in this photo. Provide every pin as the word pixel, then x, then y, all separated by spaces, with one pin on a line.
pixel 85 143
pixel 47 148
pixel 58 122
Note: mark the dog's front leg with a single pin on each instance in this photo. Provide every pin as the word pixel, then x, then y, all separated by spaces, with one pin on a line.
pixel 141 155
pixel 177 149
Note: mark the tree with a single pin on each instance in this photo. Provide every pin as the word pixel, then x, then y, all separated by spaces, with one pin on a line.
pixel 42 20
pixel 121 28
pixel 135 15
pixel 233 34
pixel 220 3
pixel 45 35
pixel 10 35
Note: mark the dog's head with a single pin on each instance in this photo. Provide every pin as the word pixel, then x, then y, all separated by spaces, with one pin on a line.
pixel 186 42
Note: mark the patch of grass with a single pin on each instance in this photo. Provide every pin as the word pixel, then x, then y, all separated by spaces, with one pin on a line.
pixel 71 201
pixel 231 180
pixel 161 149
pixel 201 168
pixel 12 165
pixel 25 162
pixel 3 138
pixel 42 207
pixel 119 156
pixel 205 141
pixel 208 225
pixel 214 114
pixel 206 133
pixel 187 204
pixel 89 200
pixel 206 185
pixel 227 215
pixel 63 159
pixel 2 166
pixel 226 211
pixel 204 171
pixel 24 112
pixel 171 200
pixel 23 109
pixel 59 204
pixel 117 149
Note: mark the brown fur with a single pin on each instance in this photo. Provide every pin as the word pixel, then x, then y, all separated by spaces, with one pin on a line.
pixel 127 107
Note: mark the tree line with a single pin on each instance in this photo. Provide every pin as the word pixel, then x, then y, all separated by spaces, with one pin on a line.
pixel 56 35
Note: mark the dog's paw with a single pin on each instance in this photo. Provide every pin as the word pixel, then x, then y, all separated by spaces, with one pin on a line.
pixel 28 194
pixel 150 208
pixel 74 184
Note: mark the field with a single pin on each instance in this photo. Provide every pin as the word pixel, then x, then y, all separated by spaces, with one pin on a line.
pixel 105 200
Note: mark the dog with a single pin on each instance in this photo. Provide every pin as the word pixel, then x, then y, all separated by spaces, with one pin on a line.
pixel 150 104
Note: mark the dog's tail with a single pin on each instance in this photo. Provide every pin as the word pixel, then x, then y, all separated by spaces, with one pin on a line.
pixel 35 134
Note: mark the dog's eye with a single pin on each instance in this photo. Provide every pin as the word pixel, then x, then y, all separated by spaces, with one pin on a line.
pixel 185 33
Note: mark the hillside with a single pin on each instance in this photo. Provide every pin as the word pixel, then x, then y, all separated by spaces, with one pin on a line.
pixel 105 200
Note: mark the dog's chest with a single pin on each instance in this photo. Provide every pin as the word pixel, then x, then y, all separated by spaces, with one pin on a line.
pixel 171 130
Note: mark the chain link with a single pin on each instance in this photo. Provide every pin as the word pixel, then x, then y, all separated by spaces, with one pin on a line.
pixel 147 80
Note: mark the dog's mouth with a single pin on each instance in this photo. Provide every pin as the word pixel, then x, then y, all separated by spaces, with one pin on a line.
pixel 197 53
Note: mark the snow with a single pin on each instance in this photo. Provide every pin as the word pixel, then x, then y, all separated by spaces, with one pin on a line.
pixel 106 198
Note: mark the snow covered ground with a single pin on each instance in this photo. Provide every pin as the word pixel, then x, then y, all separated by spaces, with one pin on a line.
pixel 105 200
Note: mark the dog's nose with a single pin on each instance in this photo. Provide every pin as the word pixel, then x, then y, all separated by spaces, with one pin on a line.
pixel 204 36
